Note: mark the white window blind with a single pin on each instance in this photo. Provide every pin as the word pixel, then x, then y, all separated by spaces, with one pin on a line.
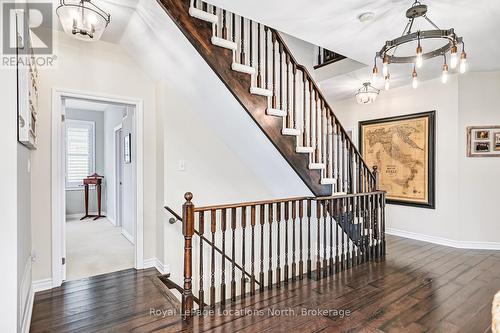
pixel 80 138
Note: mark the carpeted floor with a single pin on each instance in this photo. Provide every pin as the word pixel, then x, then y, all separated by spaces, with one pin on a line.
pixel 95 247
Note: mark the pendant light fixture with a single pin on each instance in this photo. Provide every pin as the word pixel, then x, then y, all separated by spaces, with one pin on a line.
pixel 444 73
pixel 82 19
pixel 388 52
pixel 414 80
pixel 367 94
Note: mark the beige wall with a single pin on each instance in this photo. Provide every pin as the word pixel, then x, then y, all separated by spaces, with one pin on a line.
pixel 104 69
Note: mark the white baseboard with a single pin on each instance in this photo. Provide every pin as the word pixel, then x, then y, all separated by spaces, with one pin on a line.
pixel 28 311
pixel 112 220
pixel 156 263
pixel 26 298
pixel 444 241
pixel 80 215
pixel 128 236
pixel 41 285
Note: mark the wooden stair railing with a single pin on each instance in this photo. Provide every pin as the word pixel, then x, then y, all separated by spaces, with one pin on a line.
pixel 278 92
pixel 281 241
pixel 208 242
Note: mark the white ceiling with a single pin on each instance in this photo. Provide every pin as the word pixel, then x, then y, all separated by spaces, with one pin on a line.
pixel 334 25
pixel 121 12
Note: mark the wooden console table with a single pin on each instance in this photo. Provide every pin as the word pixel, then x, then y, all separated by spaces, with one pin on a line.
pixel 96 180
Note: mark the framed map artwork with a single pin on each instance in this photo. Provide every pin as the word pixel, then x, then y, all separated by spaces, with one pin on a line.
pixel 403 148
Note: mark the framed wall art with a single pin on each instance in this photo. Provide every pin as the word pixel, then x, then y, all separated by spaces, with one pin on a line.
pixel 483 141
pixel 403 149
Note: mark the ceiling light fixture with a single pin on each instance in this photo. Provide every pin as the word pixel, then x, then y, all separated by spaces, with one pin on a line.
pixel 388 51
pixel 367 94
pixel 365 17
pixel 82 19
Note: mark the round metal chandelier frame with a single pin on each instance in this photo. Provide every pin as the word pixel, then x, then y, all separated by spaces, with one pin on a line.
pixel 388 52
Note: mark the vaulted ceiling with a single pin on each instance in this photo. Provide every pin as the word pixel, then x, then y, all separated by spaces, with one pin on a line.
pixel 335 26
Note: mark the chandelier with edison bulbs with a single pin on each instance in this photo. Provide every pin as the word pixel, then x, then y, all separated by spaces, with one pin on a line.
pixel 388 52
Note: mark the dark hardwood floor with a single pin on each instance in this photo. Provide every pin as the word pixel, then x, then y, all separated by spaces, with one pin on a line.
pixel 420 287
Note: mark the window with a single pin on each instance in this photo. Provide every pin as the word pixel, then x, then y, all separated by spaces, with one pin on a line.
pixel 80 161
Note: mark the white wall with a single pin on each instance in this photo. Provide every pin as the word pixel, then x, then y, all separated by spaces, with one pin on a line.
pixel 99 68
pixel 23 232
pixel 15 241
pixel 465 187
pixel 75 204
pixel 478 178
pixel 8 202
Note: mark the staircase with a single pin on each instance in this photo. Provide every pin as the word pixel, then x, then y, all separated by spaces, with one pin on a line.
pixel 279 93
pixel 276 242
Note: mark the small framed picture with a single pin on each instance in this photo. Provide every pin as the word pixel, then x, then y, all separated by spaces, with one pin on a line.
pixel 482 135
pixel 127 149
pixel 496 141
pixel 483 141
pixel 482 147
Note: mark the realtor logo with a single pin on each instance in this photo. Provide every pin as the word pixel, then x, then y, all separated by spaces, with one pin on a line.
pixel 27 32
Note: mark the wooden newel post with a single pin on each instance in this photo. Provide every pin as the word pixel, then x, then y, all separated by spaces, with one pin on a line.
pixel 187 231
pixel 376 175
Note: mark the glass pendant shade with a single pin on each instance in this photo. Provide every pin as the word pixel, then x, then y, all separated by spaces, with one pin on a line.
pixel 367 94
pixel 82 19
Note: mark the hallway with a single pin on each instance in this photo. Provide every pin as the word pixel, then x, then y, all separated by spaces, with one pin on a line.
pixel 96 247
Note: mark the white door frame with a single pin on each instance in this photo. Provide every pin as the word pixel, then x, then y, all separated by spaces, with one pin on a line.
pixel 118 175
pixel 58 174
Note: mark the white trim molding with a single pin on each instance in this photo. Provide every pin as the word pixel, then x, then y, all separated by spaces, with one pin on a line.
pixel 156 263
pixel 41 285
pixel 27 297
pixel 444 241
pixel 58 172
pixel 128 236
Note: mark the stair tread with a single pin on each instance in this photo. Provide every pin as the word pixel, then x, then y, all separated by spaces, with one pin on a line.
pixel 203 15
pixel 304 150
pixel 221 42
pixel 243 68
pixel 317 166
pixel 290 131
pixel 276 112
pixel 328 181
pixel 261 91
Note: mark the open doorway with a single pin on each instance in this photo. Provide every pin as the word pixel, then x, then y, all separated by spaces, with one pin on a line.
pixel 99 221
